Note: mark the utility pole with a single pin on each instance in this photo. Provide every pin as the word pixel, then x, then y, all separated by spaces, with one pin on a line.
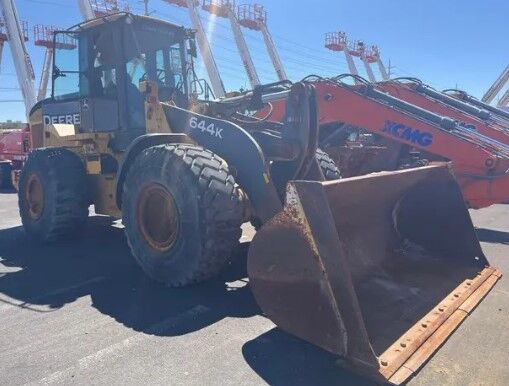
pixel 146 7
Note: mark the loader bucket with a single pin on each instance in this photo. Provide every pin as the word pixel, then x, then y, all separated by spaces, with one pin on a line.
pixel 378 269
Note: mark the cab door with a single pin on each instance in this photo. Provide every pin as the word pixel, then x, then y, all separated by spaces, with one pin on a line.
pixel 85 80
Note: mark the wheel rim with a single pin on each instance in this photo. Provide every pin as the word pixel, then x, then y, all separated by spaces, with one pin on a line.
pixel 35 197
pixel 158 217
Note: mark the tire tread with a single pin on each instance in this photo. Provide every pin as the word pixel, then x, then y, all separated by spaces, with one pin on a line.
pixel 219 204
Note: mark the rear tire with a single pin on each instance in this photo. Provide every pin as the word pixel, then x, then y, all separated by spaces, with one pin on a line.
pixel 182 213
pixel 52 195
pixel 5 175
pixel 327 165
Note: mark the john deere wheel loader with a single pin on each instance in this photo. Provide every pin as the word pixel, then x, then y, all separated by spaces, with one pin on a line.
pixel 378 270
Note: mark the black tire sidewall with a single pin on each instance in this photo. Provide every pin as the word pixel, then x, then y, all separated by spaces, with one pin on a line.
pixel 39 166
pixel 50 166
pixel 180 182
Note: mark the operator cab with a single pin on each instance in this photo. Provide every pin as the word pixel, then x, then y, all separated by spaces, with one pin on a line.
pixel 98 71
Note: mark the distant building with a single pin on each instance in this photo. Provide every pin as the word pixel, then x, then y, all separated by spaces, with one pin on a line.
pixel 12 125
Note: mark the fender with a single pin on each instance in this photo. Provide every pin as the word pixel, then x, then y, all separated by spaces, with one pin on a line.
pixel 238 148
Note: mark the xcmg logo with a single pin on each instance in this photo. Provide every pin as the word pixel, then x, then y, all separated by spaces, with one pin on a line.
pixel 415 136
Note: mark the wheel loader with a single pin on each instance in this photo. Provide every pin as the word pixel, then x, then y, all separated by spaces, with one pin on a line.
pixel 378 270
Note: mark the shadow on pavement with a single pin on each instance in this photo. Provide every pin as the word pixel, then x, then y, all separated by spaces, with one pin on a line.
pixel 280 359
pixel 492 236
pixel 8 191
pixel 99 264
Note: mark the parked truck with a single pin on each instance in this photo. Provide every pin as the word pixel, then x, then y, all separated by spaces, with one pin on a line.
pixel 14 147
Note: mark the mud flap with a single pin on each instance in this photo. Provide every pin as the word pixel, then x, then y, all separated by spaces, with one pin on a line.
pixel 378 269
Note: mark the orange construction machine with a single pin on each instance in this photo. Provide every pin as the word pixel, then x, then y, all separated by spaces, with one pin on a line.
pixel 471 100
pixel 403 134
pixel 414 91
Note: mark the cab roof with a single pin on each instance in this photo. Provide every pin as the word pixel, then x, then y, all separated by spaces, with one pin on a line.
pixel 115 17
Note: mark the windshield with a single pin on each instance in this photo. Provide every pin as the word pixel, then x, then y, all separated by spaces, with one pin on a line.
pixel 155 53
pixel 108 63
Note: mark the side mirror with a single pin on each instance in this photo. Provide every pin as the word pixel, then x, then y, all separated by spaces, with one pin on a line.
pixel 192 48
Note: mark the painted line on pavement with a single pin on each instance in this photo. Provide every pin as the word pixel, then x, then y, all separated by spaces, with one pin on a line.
pixel 99 358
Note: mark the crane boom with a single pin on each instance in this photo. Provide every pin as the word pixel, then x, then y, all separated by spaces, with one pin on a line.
pixel 22 62
pixel 46 69
pixel 504 101
pixel 273 53
pixel 497 86
pixel 360 49
pixel 86 9
pixel 206 52
pixel 381 67
pixel 247 61
pixel 369 70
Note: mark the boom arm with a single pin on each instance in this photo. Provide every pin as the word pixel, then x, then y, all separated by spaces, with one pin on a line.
pixel 481 164
pixel 369 70
pixel 22 62
pixel 381 67
pixel 465 97
pixel 392 118
pixel 273 53
pixel 504 101
pixel 497 86
pixel 206 51
pixel 247 61
pixel 439 103
pixel 86 9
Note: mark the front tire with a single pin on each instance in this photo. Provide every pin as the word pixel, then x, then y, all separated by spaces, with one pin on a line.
pixel 52 195
pixel 182 213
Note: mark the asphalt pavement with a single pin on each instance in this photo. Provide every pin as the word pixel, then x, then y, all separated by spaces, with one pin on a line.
pixel 82 312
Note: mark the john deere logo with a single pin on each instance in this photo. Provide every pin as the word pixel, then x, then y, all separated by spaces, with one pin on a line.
pixel 416 136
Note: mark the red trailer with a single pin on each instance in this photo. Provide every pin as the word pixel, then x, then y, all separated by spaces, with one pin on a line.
pixel 14 147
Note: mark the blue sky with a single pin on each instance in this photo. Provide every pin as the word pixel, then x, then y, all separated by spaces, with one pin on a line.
pixel 447 43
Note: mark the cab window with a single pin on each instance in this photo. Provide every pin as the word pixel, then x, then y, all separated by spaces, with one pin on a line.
pixel 69 66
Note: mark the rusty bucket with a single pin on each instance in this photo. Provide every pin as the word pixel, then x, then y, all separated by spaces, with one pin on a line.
pixel 378 269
